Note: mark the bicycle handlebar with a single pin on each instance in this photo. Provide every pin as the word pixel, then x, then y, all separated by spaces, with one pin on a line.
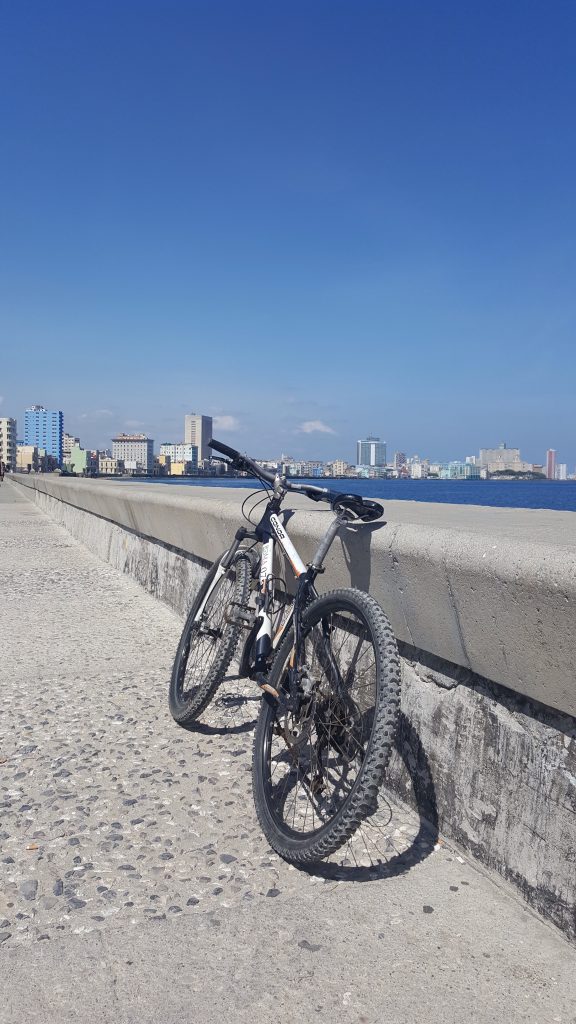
pixel 240 461
pixel 364 508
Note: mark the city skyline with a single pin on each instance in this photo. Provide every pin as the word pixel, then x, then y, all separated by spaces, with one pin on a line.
pixel 197 426
pixel 192 238
pixel 306 439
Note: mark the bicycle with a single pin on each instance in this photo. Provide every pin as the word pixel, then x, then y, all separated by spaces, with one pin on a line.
pixel 329 675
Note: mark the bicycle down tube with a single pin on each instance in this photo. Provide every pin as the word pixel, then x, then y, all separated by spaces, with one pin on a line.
pixel 270 529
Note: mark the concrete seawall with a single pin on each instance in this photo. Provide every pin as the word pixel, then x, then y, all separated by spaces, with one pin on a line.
pixel 483 602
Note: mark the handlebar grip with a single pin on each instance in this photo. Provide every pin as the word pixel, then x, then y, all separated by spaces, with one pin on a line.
pixel 223 449
pixel 242 461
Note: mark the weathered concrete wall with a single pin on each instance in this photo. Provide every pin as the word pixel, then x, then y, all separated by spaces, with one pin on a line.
pixel 492 769
pixel 169 574
pixel 483 594
pixel 497 774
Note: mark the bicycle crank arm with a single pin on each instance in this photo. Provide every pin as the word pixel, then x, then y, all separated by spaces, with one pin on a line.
pixel 263 683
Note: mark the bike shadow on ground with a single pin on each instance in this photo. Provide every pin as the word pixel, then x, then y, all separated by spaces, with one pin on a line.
pixel 409 748
pixel 232 713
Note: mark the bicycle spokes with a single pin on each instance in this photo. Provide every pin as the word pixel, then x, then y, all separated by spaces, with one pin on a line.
pixel 208 630
pixel 317 751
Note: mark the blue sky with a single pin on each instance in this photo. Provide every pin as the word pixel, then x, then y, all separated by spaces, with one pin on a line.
pixel 315 220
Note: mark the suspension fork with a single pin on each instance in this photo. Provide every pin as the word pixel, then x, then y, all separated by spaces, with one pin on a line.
pixel 225 563
pixel 229 556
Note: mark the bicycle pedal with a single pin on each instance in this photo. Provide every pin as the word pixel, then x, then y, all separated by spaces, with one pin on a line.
pixel 238 615
pixel 262 680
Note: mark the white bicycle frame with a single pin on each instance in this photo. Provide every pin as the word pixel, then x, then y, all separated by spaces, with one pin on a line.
pixel 348 509
pixel 264 641
pixel 267 577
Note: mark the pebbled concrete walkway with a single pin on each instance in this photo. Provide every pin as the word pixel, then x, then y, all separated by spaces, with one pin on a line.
pixel 134 882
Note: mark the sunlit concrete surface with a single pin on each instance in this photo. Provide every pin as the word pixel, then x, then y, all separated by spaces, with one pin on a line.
pixel 135 883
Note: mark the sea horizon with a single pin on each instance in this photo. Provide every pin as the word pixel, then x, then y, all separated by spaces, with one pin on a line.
pixel 555 495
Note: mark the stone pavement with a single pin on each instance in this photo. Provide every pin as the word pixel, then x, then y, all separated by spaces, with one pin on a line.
pixel 134 882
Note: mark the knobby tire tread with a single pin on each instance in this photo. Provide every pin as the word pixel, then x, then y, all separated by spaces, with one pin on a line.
pixel 362 800
pixel 188 713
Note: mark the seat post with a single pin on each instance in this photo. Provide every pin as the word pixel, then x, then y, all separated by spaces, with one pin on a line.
pixel 326 543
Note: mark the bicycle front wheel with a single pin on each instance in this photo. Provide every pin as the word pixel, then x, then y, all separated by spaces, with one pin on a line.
pixel 208 640
pixel 317 770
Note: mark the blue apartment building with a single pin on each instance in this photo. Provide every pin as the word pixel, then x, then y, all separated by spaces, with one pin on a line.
pixel 44 428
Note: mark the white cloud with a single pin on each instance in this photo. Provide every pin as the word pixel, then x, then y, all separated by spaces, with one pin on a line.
pixel 315 427
pixel 97 414
pixel 225 423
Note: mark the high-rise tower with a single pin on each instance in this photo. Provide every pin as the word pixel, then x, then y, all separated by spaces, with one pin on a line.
pixel 44 428
pixel 371 452
pixel 8 441
pixel 198 431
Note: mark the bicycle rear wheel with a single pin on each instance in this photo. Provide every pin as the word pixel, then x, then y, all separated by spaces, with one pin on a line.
pixel 317 772
pixel 208 643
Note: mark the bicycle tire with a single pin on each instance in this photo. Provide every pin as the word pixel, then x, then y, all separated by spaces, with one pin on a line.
pixel 187 705
pixel 361 800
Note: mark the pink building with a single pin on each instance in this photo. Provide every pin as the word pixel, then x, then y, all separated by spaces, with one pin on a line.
pixel 551 464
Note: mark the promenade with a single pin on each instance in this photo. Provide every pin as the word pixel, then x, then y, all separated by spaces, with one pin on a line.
pixel 135 884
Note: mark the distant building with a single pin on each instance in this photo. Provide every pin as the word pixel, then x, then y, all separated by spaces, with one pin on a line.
pixel 68 443
pixel 460 471
pixel 371 452
pixel 44 428
pixel 8 441
pixel 562 471
pixel 82 462
pixel 502 454
pixel 337 468
pixel 399 460
pixel 312 467
pixel 419 469
pixel 267 464
pixel 27 458
pixel 136 451
pixel 551 464
pixel 369 472
pixel 198 431
pixel 182 468
pixel 503 460
pixel 304 467
pixel 181 453
pixel 108 466
pixel 516 466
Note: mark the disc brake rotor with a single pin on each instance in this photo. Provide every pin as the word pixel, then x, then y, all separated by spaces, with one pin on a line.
pixel 296 731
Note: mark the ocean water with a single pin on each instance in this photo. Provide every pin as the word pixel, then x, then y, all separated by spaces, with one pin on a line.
pixel 552 494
